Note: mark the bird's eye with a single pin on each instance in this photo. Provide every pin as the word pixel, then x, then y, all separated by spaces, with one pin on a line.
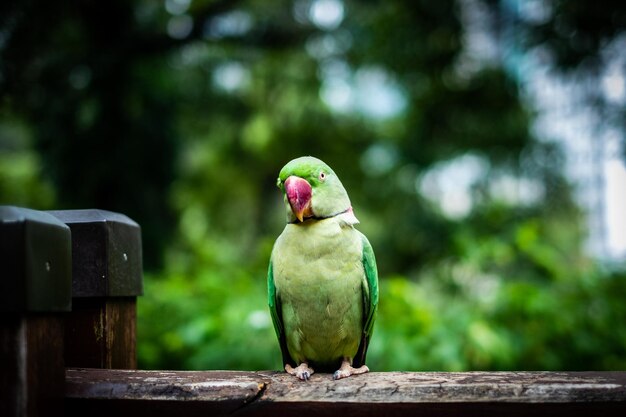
pixel 322 176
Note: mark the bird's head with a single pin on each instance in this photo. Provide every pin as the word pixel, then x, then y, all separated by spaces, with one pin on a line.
pixel 311 190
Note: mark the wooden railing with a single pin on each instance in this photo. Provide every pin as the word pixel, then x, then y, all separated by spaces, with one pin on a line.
pixel 68 333
pixel 163 393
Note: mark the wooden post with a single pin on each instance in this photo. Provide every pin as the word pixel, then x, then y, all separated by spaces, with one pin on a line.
pixel 35 290
pixel 106 280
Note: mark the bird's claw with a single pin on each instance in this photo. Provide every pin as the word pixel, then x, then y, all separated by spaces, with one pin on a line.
pixel 302 372
pixel 346 370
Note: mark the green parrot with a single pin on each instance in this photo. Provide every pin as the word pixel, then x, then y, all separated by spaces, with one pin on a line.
pixel 322 278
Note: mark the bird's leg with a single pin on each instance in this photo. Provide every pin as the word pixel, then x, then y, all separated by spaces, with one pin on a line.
pixel 346 369
pixel 302 371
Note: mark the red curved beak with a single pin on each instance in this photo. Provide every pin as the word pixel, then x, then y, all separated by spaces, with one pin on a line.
pixel 298 193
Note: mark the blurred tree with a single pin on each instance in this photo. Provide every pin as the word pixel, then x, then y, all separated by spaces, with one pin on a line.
pixel 103 129
pixel 575 32
pixel 103 103
pixel 579 41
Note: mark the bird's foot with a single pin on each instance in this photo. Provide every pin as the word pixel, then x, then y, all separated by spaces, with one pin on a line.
pixel 302 371
pixel 346 370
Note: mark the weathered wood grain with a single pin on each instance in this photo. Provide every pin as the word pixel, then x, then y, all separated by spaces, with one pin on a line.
pixel 31 364
pixel 101 333
pixel 102 392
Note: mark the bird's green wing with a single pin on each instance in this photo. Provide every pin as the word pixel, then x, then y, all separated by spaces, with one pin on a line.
pixel 277 316
pixel 370 300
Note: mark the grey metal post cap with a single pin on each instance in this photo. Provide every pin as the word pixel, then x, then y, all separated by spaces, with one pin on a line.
pixel 35 259
pixel 106 253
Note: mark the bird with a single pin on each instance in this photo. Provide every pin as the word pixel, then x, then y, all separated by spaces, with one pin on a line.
pixel 322 276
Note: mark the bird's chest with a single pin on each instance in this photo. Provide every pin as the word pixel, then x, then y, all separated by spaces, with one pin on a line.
pixel 318 273
pixel 317 256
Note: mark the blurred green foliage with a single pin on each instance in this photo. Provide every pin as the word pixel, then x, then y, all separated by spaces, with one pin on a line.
pixel 180 114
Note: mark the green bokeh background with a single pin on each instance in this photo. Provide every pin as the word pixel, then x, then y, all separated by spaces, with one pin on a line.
pixel 120 106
